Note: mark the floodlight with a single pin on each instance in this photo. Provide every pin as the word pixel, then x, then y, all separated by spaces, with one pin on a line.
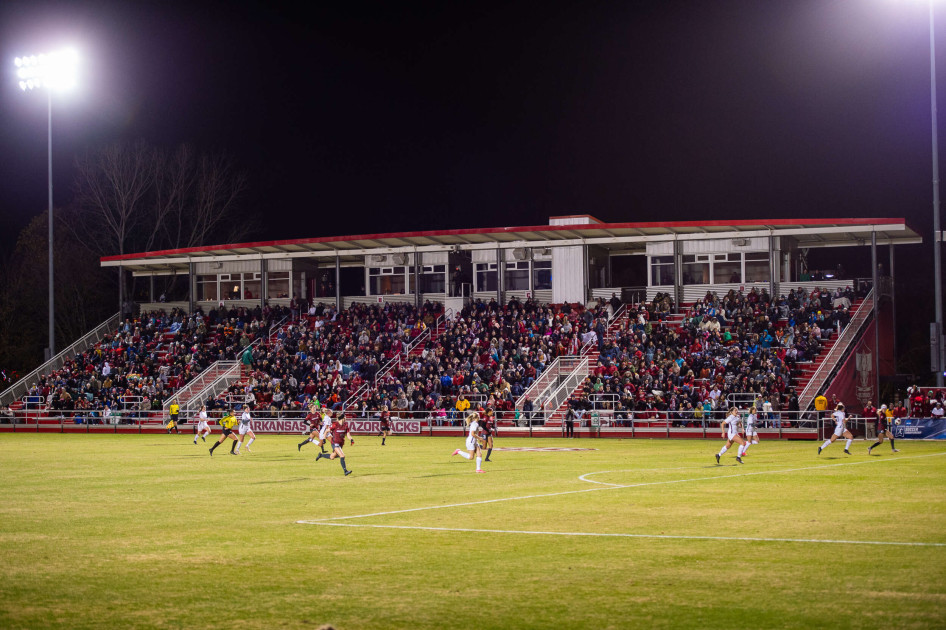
pixel 54 71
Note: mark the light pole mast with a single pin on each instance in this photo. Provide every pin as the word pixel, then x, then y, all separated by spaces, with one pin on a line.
pixel 937 267
pixel 54 71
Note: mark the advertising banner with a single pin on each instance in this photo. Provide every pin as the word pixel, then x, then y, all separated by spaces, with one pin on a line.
pixel 355 426
pixel 920 429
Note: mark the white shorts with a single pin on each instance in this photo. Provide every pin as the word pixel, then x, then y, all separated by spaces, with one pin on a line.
pixel 470 443
pixel 202 425
pixel 322 433
pixel 244 429
pixel 731 435
pixel 751 431
pixel 839 431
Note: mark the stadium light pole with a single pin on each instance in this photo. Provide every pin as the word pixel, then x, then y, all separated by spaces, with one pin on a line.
pixel 52 71
pixel 937 234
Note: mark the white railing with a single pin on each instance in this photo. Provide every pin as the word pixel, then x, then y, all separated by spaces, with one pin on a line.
pixel 553 403
pixel 548 379
pixel 81 345
pixel 199 383
pixel 837 351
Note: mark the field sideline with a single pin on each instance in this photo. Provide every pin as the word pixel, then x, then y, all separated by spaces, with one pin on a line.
pixel 150 531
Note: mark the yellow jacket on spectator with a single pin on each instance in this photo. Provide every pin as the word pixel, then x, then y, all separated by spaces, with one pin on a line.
pixel 821 403
pixel 463 404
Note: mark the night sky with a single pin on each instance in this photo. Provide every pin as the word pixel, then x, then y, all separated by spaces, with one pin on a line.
pixel 356 117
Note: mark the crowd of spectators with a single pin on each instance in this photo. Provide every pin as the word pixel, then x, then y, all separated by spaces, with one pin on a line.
pixel 747 345
pixel 651 366
pixel 148 358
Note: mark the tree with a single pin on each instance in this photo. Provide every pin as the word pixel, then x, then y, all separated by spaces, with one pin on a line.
pixel 83 293
pixel 136 198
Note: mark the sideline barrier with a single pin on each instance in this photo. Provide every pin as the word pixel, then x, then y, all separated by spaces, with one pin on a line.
pixel 920 429
pixel 781 425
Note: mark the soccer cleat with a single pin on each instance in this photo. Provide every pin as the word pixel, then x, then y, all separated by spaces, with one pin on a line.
pixel 352 443
pixel 195 441
pixel 869 448
pixel 456 452
pixel 347 472
pixel 249 450
pixel 896 450
pixel 211 452
pixel 738 459
pixel 717 458
pixel 487 459
pixel 480 470
pixel 299 447
pixel 847 451
pixel 203 439
pixel 819 449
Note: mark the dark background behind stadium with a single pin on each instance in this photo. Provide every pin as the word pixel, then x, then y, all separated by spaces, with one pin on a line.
pixel 359 117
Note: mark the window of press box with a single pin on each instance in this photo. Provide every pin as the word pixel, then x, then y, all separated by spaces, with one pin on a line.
pixel 541 275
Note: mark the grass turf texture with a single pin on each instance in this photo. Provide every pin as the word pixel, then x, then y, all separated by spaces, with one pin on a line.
pixel 150 531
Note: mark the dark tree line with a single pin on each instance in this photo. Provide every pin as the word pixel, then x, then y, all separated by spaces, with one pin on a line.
pixel 126 198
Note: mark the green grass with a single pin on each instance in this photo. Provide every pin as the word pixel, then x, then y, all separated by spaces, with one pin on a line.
pixel 149 531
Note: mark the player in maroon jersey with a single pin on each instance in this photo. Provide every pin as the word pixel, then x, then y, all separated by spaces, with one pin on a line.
pixel 883 429
pixel 385 432
pixel 338 429
pixel 489 430
pixel 314 421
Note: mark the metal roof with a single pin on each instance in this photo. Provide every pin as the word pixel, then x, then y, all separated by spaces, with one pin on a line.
pixel 621 236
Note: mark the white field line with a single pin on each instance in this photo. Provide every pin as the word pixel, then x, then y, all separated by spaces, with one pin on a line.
pixel 651 536
pixel 611 487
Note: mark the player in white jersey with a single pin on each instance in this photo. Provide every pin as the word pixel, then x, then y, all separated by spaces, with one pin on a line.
pixel 752 436
pixel 730 429
pixel 840 428
pixel 317 425
pixel 473 442
pixel 203 429
pixel 245 430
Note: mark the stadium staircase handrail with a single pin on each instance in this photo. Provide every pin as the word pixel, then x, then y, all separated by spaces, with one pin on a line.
pixel 553 403
pixel 19 388
pixel 185 395
pixel 838 351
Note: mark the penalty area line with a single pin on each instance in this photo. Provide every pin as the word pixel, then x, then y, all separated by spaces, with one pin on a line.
pixel 892 543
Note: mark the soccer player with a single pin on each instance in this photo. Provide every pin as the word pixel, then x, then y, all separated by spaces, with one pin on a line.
pixel 883 429
pixel 318 432
pixel 245 430
pixel 472 442
pixel 752 436
pixel 339 429
pixel 175 411
pixel 385 432
pixel 730 430
pixel 203 429
pixel 840 428
pixel 489 429
pixel 227 423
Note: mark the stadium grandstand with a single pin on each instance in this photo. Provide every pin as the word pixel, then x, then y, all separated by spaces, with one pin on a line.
pixel 645 329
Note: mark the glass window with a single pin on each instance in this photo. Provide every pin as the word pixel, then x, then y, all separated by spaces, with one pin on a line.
pixel 661 270
pixel 252 286
pixel 387 285
pixel 695 271
pixel 541 274
pixel 485 277
pixel 278 284
pixel 207 288
pixel 757 267
pixel 517 276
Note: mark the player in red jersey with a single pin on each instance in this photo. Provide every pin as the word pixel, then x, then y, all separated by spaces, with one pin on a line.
pixel 318 423
pixel 338 429
pixel 883 429
pixel 385 432
pixel 489 430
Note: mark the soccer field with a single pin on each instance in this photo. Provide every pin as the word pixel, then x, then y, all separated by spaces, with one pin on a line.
pixel 150 531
